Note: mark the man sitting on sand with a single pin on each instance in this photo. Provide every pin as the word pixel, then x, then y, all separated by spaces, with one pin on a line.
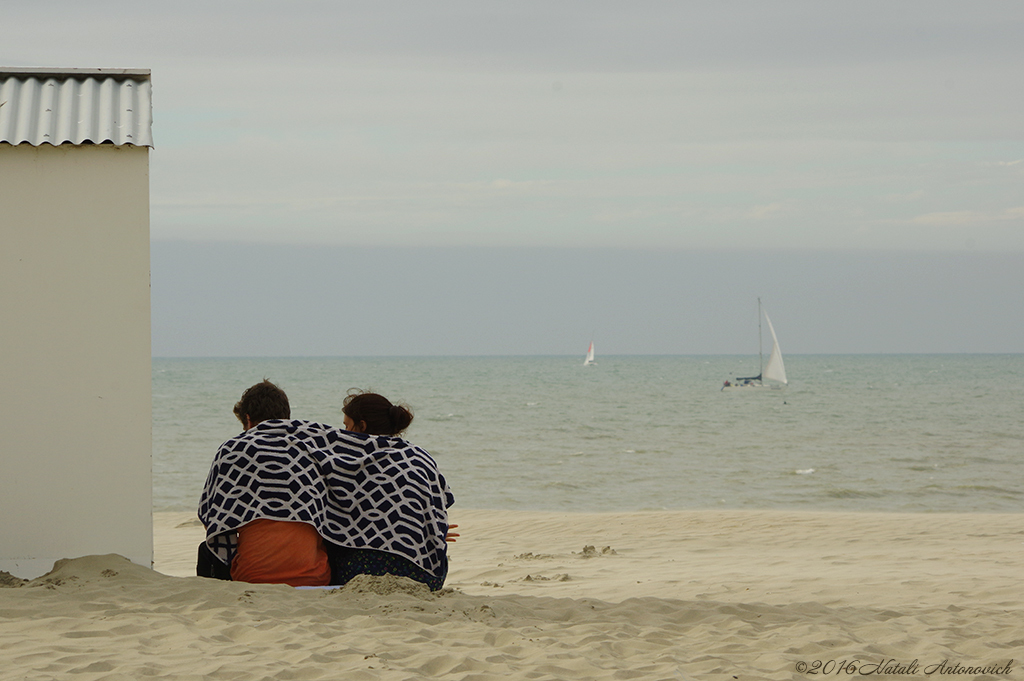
pixel 266 550
pixel 287 501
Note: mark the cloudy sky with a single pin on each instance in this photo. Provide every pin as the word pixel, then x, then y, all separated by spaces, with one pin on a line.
pixel 518 178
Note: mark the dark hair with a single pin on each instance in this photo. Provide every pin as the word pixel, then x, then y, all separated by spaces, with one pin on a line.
pixel 377 413
pixel 261 402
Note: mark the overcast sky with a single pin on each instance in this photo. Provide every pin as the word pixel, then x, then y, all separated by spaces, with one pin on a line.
pixel 515 178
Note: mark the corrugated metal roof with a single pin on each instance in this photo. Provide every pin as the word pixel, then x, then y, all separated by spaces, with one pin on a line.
pixel 76 106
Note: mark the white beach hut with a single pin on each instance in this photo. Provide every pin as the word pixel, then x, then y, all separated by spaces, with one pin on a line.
pixel 75 381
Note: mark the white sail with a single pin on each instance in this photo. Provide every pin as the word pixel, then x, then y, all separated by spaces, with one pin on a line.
pixel 590 355
pixel 774 370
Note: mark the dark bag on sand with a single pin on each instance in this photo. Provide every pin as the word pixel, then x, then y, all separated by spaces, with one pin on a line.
pixel 207 565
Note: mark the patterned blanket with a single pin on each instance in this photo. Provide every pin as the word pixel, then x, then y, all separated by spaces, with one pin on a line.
pixel 359 491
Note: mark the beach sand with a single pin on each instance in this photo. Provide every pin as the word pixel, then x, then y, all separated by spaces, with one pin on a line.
pixel 662 595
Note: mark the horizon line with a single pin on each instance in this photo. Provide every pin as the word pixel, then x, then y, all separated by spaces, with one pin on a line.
pixel 573 355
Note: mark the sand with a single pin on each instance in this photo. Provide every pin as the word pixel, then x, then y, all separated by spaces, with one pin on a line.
pixel 670 595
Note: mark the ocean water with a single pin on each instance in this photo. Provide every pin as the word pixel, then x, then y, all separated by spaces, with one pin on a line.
pixel 908 433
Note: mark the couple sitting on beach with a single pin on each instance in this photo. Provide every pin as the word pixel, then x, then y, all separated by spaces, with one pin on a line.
pixel 301 503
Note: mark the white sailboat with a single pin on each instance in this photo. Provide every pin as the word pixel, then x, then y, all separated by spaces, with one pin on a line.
pixel 590 355
pixel 771 375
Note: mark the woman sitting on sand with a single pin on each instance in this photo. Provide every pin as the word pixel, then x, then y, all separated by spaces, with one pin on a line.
pixel 373 414
pixel 378 503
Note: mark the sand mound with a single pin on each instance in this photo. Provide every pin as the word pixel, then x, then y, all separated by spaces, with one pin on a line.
pixel 387 585
pixel 94 569
pixel 7 580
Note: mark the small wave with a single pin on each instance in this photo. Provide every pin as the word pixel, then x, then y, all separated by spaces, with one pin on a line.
pixel 990 489
pixel 853 494
pixel 559 484
pixel 600 436
pixel 444 417
pixel 804 471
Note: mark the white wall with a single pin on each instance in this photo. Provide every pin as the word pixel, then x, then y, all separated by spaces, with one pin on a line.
pixel 75 378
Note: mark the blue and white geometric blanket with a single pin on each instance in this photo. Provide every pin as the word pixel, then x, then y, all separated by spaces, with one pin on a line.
pixel 359 491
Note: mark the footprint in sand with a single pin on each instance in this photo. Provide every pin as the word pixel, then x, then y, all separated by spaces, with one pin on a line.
pixel 591 552
pixel 529 555
pixel 541 578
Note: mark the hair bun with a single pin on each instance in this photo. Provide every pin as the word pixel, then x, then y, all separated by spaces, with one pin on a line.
pixel 377 413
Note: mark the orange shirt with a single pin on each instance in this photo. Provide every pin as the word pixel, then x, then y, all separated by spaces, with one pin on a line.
pixel 280 552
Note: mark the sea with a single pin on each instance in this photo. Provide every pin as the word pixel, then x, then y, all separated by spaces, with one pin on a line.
pixel 884 433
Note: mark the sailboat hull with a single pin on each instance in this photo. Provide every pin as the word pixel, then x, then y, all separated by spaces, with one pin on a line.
pixel 753 385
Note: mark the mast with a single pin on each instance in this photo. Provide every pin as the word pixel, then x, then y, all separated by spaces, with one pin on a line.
pixel 760 345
